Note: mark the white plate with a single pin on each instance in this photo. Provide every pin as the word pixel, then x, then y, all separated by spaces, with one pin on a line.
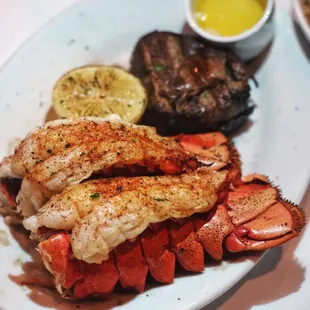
pixel 301 19
pixel 105 32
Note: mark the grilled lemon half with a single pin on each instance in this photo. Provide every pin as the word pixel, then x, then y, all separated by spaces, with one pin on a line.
pixel 99 91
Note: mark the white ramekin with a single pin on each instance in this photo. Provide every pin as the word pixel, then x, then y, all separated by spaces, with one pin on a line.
pixel 248 44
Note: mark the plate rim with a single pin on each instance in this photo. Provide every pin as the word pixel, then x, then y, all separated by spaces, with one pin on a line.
pixel 37 32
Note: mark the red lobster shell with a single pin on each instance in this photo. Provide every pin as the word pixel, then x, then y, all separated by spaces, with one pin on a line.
pixel 251 215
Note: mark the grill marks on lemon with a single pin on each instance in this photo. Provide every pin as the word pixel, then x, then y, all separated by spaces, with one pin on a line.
pixel 99 91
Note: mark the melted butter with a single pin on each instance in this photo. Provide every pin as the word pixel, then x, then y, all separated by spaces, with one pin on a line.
pixel 228 17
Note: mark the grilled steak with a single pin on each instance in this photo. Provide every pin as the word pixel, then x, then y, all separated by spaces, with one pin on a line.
pixel 193 87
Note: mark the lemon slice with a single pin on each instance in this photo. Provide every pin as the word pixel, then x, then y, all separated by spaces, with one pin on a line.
pixel 99 91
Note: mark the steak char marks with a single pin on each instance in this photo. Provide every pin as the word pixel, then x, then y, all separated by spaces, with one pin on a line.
pixel 192 86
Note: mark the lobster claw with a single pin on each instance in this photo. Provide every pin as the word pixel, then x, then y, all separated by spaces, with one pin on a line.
pixel 278 224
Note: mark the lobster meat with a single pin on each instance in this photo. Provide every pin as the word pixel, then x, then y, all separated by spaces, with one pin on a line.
pixel 65 152
pixel 186 203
